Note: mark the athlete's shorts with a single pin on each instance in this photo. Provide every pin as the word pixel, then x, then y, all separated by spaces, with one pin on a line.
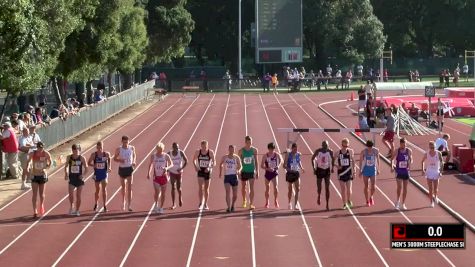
pixel 368 171
pixel 389 136
pixel 292 176
pixel 175 177
pixel 231 179
pixel 247 176
pixel 204 175
pixel 322 173
pixel 100 178
pixel 402 176
pixel 39 179
pixel 445 153
pixel 76 181
pixel 125 172
pixel 270 175
pixel 161 180
pixel 432 175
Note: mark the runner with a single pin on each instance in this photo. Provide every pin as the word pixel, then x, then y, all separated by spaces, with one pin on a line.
pixel 101 162
pixel 388 138
pixel 248 154
pixel 180 161
pixel 126 157
pixel 232 164
pixel 403 157
pixel 293 167
pixel 346 172
pixel 41 162
pixel 26 145
pixel 369 166
pixel 432 172
pixel 204 161
pixel 160 163
pixel 271 162
pixel 74 171
pixel 323 163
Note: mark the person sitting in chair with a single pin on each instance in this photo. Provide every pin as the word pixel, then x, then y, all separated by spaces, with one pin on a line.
pixel 442 145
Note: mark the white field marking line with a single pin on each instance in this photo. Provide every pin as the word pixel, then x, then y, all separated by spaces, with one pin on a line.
pixel 66 196
pixel 377 187
pixel 312 242
pixel 60 168
pixel 118 189
pixel 333 185
pixel 195 234
pixel 251 215
pixel 134 241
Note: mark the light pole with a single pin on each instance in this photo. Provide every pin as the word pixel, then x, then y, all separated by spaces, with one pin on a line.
pixel 385 55
pixel 239 45
pixel 471 54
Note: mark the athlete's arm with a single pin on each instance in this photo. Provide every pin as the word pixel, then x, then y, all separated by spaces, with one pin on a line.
pixel 313 158
pixel 361 162
pixel 108 155
pixel 423 162
pixel 90 161
pixel 239 164
pixel 66 168
pixel 263 162
pixel 300 162
pixel 48 160
pixel 116 156
pixel 213 158
pixel 280 160
pixel 83 160
pixel 195 160
pixel 221 166
pixel 169 163
pixel 134 156
pixel 150 167
pixel 441 162
pixel 409 162
pixel 185 160
pixel 28 161
pixel 255 165
pixel 286 158
pixel 378 160
pixel 353 165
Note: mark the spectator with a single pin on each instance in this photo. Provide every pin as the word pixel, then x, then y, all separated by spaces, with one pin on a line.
pixel 410 76
pixel 320 80
pixel 275 82
pixel 369 112
pixel 266 80
pixel 388 138
pixel 204 79
pixel 456 75
pixel 163 80
pixel 31 111
pixel 361 99
pixel 417 77
pixel 21 123
pixel 447 77
pixel 414 112
pixel 39 116
pixel 35 137
pixel 27 119
pixel 359 71
pixel 25 144
pixel 99 96
pixel 441 144
pixel 54 113
pixel 227 78
pixel 369 88
pixel 385 75
pixel 440 114
pixel 338 79
pixel 329 71
pixel 465 71
pixel 348 78
pixel 441 78
pixel 41 98
pixel 371 75
pixel 10 148
pixel 63 112
pixel 363 124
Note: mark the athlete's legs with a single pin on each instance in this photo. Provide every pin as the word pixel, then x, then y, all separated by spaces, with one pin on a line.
pixel 319 189
pixel 227 188
pixel 71 196
pixel 78 197
pixel 373 185
pixel 163 191
pixel 122 190
pixel 436 188
pixel 290 192
pixel 129 190
pixel 327 189
pixel 297 190
pixel 178 188
pixel 429 184
pixel 365 188
pixel 201 182
pixel 243 191
pixel 404 190
pixel 97 186
pixel 398 189
pixel 41 190
pixel 349 190
pixel 173 183
pixel 235 193
pixel 206 193
pixel 34 187
pixel 343 192
pixel 266 194
pixel 251 191
pixel 156 193
pixel 275 182
pixel 104 191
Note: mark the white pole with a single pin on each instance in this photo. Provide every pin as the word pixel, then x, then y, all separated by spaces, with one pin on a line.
pixel 381 63
pixel 239 45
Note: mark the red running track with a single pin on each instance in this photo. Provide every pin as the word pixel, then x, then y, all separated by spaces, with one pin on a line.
pixel 188 237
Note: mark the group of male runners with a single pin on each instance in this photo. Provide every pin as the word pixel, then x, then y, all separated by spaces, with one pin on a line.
pixel 242 165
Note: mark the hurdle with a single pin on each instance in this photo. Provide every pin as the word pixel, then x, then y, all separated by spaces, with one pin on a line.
pixel 299 131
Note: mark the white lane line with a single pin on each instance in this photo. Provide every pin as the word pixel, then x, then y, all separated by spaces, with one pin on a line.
pixel 60 168
pixel 197 226
pixel 100 211
pixel 251 214
pixel 333 185
pixel 66 196
pixel 134 241
pixel 379 189
pixel 312 242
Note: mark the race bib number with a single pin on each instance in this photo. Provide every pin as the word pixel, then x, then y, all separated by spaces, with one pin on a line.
pixel 247 160
pixel 159 170
pixel 204 163
pixel 294 167
pixel 177 162
pixel 432 164
pixel 345 162
pixel 128 161
pixel 230 166
pixel 75 169
pixel 272 165
pixel 403 164
pixel 100 165
pixel 369 162
pixel 39 165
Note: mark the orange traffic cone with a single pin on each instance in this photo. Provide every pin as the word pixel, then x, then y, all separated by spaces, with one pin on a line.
pixel 352 96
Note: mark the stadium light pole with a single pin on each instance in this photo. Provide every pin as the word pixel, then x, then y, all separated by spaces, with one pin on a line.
pixel 239 45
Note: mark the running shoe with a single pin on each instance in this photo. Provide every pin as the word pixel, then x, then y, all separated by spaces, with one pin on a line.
pixel 42 209
pixel 160 211
pixel 71 211
pixel 345 207
pixel 244 204
pixel 396 205
pixel 228 210
pixel 180 203
pixel 95 207
pixel 297 206
pixel 328 208
pixel 318 200
pixel 200 206
pixel 252 207
pixel 173 207
pixel 232 209
pixel 436 200
pixel 349 204
pixel 267 204
pixel 105 209
pixel 77 213
pixel 206 207
pixel 35 215
pixel 368 204
pixel 404 206
pixel 432 204
pixel 25 186
pixel 130 209
pixel 290 206
pixel 371 201
pixel 276 203
pixel 156 209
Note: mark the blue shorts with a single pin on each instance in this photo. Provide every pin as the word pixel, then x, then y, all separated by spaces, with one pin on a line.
pixel 369 171
pixel 231 179
pixel 99 177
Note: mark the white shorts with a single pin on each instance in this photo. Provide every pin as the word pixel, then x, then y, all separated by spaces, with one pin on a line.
pixel 432 175
pixel 361 104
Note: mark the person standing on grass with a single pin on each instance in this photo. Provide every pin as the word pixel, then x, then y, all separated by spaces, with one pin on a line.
pixel 271 162
pixel 440 114
pixel 323 164
pixel 232 168
pixel 125 155
pixel 433 171
pixel 293 167
pixel 346 172
pixel 74 171
pixel 41 161
pixel 250 171
pixel 180 161
pixel 401 162
pixel 204 161
pixel 388 138
pixel 369 168
pixel 101 162
pixel 160 163
pixel 275 82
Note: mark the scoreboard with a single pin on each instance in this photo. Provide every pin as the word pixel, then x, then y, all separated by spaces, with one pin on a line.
pixel 413 236
pixel 279 31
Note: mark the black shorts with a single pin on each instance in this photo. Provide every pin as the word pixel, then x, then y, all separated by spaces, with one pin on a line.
pixel 345 177
pixel 322 173
pixel 444 153
pixel 292 176
pixel 204 175
pixel 231 179
pixel 402 176
pixel 76 181
pixel 39 179
pixel 247 176
pixel 125 172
